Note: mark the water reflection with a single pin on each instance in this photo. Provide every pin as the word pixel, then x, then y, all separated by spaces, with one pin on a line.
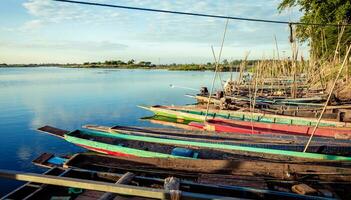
pixel 70 98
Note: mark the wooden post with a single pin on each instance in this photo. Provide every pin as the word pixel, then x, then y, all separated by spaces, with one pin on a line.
pixel 171 187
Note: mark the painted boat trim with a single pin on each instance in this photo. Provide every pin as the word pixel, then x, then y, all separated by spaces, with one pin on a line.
pixel 114 149
pixel 198 116
pixel 199 144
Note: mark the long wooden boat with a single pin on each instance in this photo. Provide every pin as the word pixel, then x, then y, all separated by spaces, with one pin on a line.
pixel 142 146
pixel 276 107
pixel 325 147
pixel 196 114
pixel 107 185
pixel 245 127
pixel 243 138
pixel 199 170
pixel 303 102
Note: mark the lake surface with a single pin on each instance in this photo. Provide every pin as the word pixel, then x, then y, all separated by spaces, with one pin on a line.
pixel 70 98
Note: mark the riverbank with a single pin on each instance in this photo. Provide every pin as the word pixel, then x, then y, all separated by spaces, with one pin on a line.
pixel 225 67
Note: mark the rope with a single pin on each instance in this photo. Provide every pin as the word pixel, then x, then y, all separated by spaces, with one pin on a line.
pixel 200 14
pixel 326 103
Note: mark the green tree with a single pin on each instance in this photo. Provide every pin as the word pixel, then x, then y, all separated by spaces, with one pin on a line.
pixel 131 62
pixel 323 40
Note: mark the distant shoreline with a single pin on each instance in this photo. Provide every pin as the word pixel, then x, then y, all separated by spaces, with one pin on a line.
pixel 179 67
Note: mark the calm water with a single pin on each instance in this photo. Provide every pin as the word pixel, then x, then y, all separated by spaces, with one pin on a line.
pixel 70 98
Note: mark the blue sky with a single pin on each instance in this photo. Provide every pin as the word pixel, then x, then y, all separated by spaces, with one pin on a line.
pixel 44 31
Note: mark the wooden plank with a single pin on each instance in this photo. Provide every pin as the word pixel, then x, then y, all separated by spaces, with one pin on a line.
pixel 83 184
pixel 303 189
pixel 41 161
pixel 101 186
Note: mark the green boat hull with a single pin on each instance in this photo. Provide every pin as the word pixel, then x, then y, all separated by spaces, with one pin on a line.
pixel 199 116
pixel 143 153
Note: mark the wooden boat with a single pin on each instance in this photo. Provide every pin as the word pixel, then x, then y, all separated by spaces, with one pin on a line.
pixel 242 138
pixel 199 170
pixel 278 107
pixel 106 185
pixel 245 127
pixel 143 146
pixel 195 114
pixel 325 147
pixel 303 102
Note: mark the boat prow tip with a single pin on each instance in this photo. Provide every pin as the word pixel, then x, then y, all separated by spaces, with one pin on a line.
pixel 53 131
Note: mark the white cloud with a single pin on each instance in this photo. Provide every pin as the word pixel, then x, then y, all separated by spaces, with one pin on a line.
pixel 71 45
pixel 93 29
pixel 33 24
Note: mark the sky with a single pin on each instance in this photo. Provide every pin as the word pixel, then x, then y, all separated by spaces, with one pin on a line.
pixel 45 31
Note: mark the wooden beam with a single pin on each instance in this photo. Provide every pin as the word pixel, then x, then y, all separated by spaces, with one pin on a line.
pixel 102 186
pixel 83 184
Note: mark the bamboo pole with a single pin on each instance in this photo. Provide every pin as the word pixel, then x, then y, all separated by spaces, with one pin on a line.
pixel 328 99
pixel 276 46
pixel 337 48
pixel 216 70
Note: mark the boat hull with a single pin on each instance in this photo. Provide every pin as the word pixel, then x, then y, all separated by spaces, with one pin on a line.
pixel 243 127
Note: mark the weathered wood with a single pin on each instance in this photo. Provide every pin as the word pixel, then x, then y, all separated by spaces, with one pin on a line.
pixel 191 190
pixel 84 184
pixel 103 186
pixel 303 189
pixel 192 167
pixel 53 131
pixel 89 195
pixel 42 159
pixel 125 179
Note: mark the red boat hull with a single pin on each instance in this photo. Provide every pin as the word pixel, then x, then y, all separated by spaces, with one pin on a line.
pixel 104 151
pixel 246 127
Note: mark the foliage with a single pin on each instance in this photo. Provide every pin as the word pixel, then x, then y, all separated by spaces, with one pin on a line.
pixel 323 40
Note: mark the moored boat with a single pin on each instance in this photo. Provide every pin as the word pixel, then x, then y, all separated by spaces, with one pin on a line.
pixel 77 183
pixel 196 114
pixel 246 127
pixel 142 146
pixel 334 147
